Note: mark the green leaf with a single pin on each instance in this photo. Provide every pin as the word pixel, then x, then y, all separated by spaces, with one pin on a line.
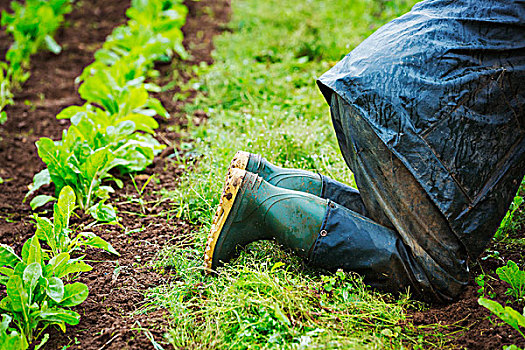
pixel 510 316
pixel 47 150
pixel 52 45
pixel 66 203
pixel 156 105
pixel 9 338
pixel 41 200
pixel 45 231
pixel 19 269
pixel 8 256
pixel 18 295
pixel 93 240
pixel 34 252
pixel 104 212
pixel 44 340
pixel 60 315
pixel 55 289
pixel 513 276
pixel 73 267
pixel 7 271
pixel 58 262
pixel 69 112
pixel 6 304
pixel 62 265
pixel 4 325
pixel 142 122
pixel 32 274
pixel 74 294
pixel 40 179
pixel 44 226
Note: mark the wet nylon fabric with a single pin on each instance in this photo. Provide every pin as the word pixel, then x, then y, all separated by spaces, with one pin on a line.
pixel 374 251
pixel 443 87
pixel 343 195
pixel 404 240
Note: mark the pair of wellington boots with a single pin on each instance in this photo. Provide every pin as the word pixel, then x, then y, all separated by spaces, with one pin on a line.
pixel 261 201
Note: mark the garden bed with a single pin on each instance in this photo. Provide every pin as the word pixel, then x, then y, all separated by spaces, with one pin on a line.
pixel 465 323
pixel 116 285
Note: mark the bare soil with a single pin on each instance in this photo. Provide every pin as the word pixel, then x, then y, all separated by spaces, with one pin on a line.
pixel 465 323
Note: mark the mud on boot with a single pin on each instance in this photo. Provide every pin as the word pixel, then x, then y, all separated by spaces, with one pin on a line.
pixel 251 209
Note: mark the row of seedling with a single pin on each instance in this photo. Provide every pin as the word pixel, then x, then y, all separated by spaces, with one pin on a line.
pixel 32 26
pixel 112 132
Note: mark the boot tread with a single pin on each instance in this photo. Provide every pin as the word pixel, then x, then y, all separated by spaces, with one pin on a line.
pixel 233 182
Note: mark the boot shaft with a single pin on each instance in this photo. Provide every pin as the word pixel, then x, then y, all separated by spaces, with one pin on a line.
pixel 292 218
pixel 293 179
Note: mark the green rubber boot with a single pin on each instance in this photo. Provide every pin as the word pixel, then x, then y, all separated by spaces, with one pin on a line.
pixel 292 179
pixel 251 209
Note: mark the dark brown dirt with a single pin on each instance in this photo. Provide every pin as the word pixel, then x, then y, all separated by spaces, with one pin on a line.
pixel 467 325
pixel 111 316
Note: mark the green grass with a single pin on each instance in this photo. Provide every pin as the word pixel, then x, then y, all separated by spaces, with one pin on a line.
pixel 261 97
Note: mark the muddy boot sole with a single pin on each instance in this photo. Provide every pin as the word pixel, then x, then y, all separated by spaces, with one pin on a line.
pixel 239 161
pixel 234 180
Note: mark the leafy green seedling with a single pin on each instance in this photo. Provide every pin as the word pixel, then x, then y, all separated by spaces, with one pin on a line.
pixel 57 233
pixel 94 144
pixel 32 26
pixel 36 296
pixel 10 338
pixel 114 129
pixel 515 277
pixel 510 316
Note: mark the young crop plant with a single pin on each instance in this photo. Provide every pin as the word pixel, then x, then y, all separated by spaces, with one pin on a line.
pixel 516 279
pixel 36 295
pixel 114 129
pixel 507 314
pixel 153 33
pixel 86 154
pixel 32 26
pixel 118 135
pixel 6 96
pixel 57 234
pixel 9 337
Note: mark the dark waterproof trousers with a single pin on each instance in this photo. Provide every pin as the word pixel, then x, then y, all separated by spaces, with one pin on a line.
pixel 429 112
pixel 389 231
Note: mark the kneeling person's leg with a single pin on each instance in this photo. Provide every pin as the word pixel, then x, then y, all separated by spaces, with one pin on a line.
pixel 299 180
pixel 323 232
pixel 438 268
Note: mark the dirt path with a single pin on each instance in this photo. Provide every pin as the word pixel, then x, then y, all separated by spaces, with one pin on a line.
pixel 116 285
